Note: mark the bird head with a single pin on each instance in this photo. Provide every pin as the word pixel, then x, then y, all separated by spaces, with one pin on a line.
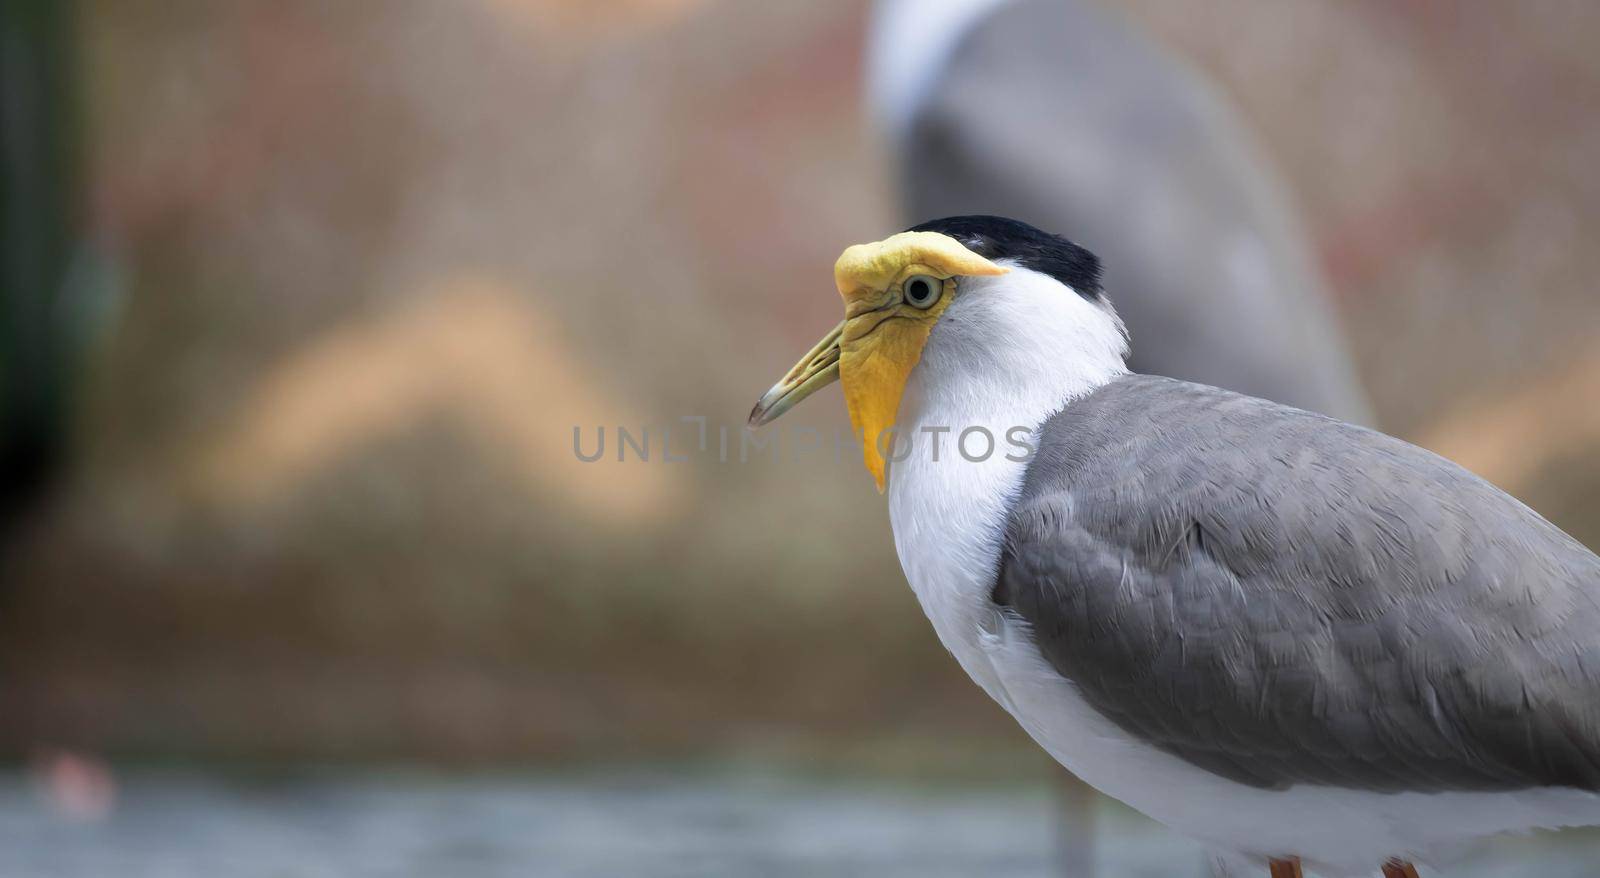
pixel 1014 315
pixel 894 291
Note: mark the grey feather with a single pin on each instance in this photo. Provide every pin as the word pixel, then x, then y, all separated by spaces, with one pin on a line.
pixel 1281 598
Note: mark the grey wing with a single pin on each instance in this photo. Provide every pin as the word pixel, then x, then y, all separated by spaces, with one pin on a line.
pixel 1284 599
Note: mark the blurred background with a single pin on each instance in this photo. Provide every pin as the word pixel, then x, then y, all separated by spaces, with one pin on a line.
pixel 303 302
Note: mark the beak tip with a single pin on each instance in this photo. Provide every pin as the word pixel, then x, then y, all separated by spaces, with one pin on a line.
pixel 766 408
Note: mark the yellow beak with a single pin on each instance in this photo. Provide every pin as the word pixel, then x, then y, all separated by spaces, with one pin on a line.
pixel 881 338
pixel 816 370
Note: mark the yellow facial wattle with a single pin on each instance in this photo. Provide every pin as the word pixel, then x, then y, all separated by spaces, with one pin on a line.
pixel 880 341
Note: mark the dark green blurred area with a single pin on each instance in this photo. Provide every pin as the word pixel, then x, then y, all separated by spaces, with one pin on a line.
pixel 302 304
pixel 38 182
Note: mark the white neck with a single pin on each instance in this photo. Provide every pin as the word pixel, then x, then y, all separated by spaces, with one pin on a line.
pixel 1009 352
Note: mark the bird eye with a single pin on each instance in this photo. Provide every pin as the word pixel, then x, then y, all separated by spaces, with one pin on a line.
pixel 922 291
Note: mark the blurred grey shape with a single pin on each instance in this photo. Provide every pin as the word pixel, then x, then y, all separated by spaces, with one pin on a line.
pixel 1058 113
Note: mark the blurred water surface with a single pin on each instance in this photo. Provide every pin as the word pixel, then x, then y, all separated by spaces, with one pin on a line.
pixel 351 824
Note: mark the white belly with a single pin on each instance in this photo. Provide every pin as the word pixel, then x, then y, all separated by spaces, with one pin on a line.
pixel 1335 832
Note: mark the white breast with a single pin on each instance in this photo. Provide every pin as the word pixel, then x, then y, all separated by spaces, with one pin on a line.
pixel 1007 354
